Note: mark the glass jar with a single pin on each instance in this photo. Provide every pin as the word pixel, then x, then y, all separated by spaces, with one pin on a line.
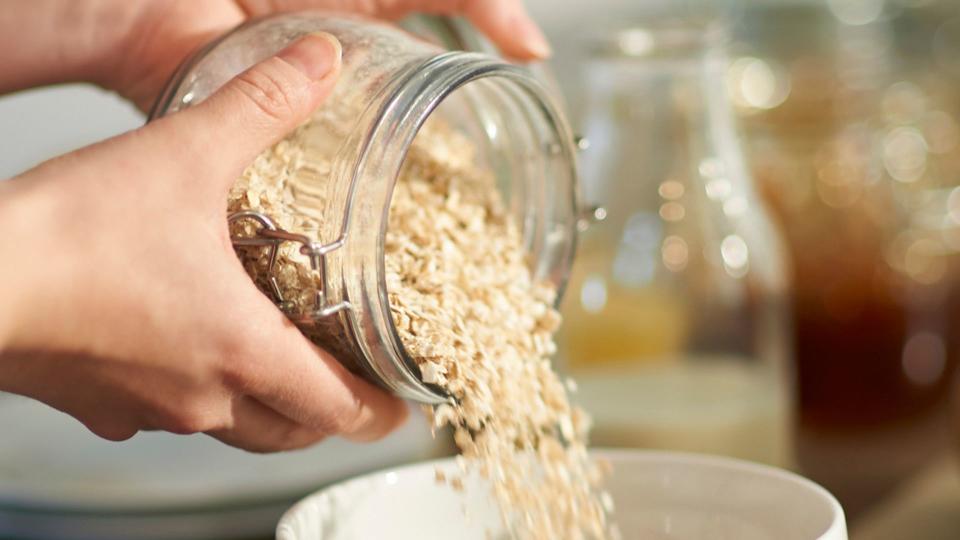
pixel 854 137
pixel 675 326
pixel 391 82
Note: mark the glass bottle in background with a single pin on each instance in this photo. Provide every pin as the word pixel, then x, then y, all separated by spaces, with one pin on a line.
pixel 674 320
pixel 854 145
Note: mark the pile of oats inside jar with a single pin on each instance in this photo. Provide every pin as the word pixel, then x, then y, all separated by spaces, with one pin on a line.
pixel 467 311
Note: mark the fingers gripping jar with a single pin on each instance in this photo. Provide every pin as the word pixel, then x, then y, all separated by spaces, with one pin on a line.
pixel 391 82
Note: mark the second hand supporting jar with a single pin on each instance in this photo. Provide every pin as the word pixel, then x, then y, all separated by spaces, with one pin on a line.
pixel 391 81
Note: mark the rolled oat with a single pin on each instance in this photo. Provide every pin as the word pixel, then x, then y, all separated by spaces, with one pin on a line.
pixel 467 311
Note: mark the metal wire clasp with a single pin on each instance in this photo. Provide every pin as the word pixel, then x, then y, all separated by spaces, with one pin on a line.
pixel 270 236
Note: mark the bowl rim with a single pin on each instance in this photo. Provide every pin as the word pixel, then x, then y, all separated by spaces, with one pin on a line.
pixel 835 531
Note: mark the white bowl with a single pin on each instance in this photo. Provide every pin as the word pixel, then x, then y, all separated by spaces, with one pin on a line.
pixel 658 495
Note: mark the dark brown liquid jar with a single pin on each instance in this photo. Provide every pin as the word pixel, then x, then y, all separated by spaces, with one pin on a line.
pixel 392 80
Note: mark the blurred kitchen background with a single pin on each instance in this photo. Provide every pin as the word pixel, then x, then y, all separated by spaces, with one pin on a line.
pixel 776 278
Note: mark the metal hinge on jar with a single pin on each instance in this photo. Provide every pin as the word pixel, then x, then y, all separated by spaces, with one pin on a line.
pixel 269 235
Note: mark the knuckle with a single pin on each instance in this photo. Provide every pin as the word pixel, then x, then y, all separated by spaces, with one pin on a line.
pixel 297 439
pixel 268 91
pixel 190 417
pixel 375 431
pixel 344 418
pixel 293 437
pixel 236 364
pixel 112 431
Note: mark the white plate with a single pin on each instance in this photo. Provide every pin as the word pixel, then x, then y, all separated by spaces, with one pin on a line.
pixel 658 495
pixel 52 468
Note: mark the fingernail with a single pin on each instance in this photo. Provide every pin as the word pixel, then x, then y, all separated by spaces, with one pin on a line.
pixel 536 42
pixel 314 55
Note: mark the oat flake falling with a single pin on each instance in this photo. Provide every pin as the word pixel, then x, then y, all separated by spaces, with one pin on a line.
pixel 466 310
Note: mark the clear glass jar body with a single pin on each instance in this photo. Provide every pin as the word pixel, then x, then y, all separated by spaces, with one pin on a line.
pixel 390 83
pixel 674 325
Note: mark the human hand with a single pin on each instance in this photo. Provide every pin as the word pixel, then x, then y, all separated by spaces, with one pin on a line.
pixel 124 304
pixel 133 47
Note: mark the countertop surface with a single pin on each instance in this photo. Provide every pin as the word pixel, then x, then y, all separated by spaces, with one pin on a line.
pixel 926 508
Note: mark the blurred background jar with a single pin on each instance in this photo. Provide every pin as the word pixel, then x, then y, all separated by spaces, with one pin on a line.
pixel 851 110
pixel 675 321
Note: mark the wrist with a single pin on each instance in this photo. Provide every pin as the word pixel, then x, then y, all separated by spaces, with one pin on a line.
pixel 53 41
pixel 29 274
pixel 158 38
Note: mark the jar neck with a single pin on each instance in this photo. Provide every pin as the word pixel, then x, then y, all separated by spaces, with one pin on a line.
pixel 666 91
pixel 666 122
pixel 537 157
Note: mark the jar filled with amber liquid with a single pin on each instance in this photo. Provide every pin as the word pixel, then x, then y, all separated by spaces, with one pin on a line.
pixel 851 116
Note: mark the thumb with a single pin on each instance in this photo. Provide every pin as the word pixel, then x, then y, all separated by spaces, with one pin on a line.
pixel 256 109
